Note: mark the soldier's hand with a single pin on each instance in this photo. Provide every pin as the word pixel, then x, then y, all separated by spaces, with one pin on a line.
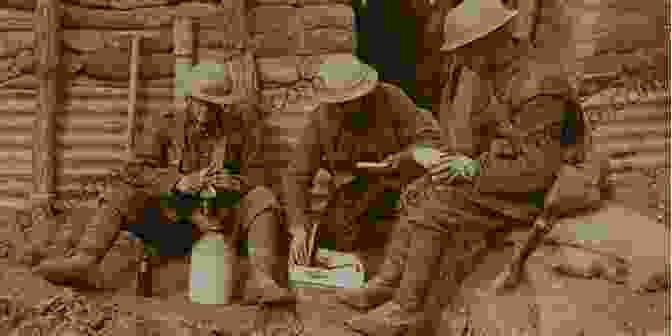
pixel 396 160
pixel 224 181
pixel 299 249
pixel 190 183
pixel 455 166
pixel 430 158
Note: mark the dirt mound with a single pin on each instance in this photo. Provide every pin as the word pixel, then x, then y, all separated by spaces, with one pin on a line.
pixel 595 282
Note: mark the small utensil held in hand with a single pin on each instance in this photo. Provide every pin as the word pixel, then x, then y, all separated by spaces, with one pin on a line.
pixel 376 168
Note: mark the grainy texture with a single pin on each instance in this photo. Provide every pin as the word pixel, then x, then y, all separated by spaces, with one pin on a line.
pixel 183 34
pixel 133 94
pixel 15 19
pixel 289 41
pixel 48 52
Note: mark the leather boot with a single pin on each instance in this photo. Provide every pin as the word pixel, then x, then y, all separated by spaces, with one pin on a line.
pixel 407 309
pixel 98 237
pixel 381 287
pixel 261 287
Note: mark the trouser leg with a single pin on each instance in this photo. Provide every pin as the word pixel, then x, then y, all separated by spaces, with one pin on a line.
pixel 265 228
pixel 116 208
pixel 381 288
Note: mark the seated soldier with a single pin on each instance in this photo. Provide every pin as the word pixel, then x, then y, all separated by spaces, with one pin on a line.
pixel 218 135
pixel 359 120
pixel 522 131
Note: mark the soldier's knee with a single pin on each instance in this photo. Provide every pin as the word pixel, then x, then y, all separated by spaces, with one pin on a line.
pixel 261 201
pixel 263 195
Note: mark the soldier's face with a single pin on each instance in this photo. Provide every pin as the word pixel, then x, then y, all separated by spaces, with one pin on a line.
pixel 484 51
pixel 202 113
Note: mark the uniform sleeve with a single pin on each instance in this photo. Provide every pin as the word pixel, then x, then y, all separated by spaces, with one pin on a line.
pixel 305 162
pixel 534 169
pixel 416 127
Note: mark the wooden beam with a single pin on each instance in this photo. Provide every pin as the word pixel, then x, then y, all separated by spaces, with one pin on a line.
pixel 184 45
pixel 47 31
pixel 16 19
pixel 242 68
pixel 133 95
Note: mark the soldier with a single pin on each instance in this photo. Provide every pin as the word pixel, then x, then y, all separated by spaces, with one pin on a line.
pixel 360 119
pixel 219 133
pixel 524 123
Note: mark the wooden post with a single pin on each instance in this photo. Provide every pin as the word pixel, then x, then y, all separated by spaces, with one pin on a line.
pixel 48 51
pixel 133 96
pixel 242 68
pixel 183 35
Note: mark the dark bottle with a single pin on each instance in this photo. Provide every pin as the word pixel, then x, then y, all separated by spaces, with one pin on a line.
pixel 144 277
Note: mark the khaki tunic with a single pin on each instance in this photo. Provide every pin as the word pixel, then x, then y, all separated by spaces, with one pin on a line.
pixel 158 167
pixel 534 98
pixel 395 124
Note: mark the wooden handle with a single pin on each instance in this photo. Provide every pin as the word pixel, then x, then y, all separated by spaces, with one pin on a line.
pixel 133 94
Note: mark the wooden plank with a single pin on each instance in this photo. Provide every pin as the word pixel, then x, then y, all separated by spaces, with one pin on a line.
pixel 131 124
pixel 640 161
pixel 85 105
pixel 98 153
pixel 109 92
pixel 26 62
pixel 157 40
pixel 48 50
pixel 30 81
pixel 80 139
pixel 12 42
pixel 644 128
pixel 19 4
pixel 15 203
pixel 16 19
pixel 183 35
pixel 23 168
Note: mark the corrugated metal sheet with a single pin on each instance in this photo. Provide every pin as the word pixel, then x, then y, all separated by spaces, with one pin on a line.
pixel 90 136
pixel 634 135
pixel 16 135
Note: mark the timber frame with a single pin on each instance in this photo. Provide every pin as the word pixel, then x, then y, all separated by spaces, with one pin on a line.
pixel 48 52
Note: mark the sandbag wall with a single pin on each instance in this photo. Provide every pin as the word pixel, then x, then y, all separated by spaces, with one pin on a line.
pixel 292 38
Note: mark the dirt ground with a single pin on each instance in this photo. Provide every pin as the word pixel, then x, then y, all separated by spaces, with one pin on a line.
pixel 28 302
pixel 318 310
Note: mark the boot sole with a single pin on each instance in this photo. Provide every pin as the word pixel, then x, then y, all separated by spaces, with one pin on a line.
pixel 366 306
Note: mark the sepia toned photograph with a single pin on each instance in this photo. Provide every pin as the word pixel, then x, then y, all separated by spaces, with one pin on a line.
pixel 335 167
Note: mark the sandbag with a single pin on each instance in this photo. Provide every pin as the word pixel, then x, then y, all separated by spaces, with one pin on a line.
pixel 624 233
pixel 548 303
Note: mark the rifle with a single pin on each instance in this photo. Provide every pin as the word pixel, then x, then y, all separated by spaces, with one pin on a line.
pixel 511 277
pixel 575 188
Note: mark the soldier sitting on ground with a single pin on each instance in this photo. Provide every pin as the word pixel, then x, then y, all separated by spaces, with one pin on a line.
pixel 524 130
pixel 219 134
pixel 360 120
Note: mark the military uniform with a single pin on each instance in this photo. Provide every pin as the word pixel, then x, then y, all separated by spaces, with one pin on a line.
pixel 528 98
pixel 153 173
pixel 328 142
pixel 156 169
